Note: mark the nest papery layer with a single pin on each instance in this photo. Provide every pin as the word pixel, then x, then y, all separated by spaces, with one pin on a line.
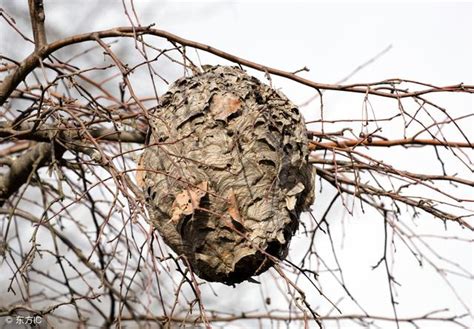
pixel 226 173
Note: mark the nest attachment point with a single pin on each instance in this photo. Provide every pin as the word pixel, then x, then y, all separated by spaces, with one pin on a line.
pixel 226 173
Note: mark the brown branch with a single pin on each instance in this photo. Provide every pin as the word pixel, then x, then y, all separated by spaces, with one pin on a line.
pixel 37 18
pixel 23 167
pixel 47 133
pixel 15 148
pixel 361 189
pixel 64 138
pixel 24 132
pixel 296 317
pixel 386 169
pixel 386 143
pixel 30 63
pixel 73 247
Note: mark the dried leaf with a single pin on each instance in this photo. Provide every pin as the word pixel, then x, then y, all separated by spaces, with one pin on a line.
pixel 188 201
pixel 223 106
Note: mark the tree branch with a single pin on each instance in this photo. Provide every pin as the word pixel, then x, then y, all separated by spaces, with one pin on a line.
pixel 37 18
pixel 25 132
pixel 387 143
pixel 46 133
pixel 22 168
pixel 275 316
pixel 360 189
pixel 383 88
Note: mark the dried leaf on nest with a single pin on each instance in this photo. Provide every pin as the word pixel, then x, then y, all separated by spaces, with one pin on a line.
pixel 223 106
pixel 188 201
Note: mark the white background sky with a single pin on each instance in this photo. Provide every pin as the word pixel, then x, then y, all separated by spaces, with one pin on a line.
pixel 431 42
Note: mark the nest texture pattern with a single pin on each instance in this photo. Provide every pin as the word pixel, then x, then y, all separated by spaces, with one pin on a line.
pixel 226 173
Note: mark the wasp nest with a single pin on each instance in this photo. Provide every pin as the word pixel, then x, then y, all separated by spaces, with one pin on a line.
pixel 226 173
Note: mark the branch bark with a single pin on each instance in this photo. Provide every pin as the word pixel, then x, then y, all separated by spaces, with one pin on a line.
pixel 30 63
pixel 25 132
pixel 37 18
pixel 23 167
pixel 387 143
pixel 47 132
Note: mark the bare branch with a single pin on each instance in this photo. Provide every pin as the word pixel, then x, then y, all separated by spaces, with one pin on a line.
pixel 383 88
pixel 214 317
pixel 387 143
pixel 47 133
pixel 37 18
pixel 22 168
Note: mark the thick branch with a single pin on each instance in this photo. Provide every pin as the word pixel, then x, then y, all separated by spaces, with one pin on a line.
pixel 387 143
pixel 25 132
pixel 46 133
pixel 22 168
pixel 37 23
pixel 30 63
